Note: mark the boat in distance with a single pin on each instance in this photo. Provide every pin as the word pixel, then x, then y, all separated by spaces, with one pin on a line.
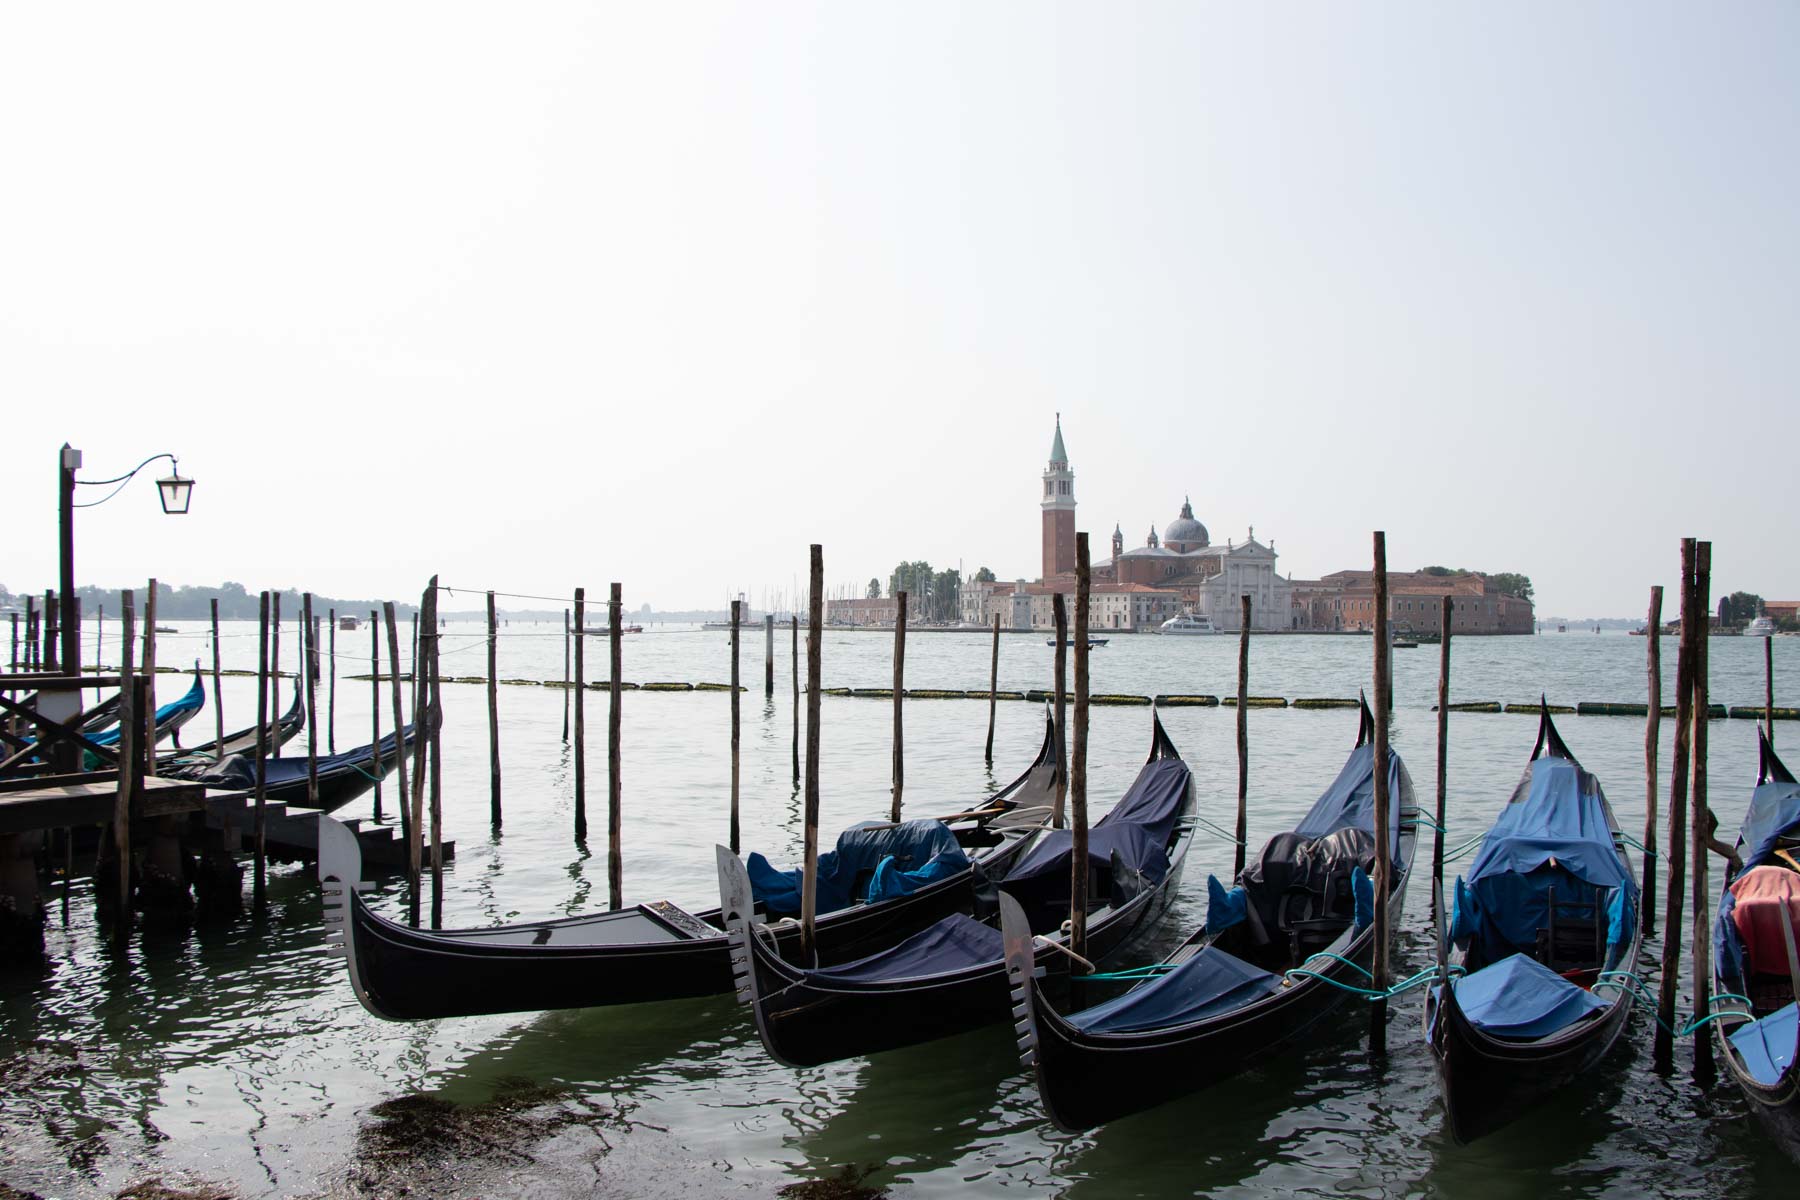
pixel 1093 642
pixel 951 977
pixel 1544 922
pixel 646 952
pixel 1188 625
pixel 1756 969
pixel 1272 960
pixel 1761 627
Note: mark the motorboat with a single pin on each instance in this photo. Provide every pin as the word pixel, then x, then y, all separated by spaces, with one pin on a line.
pixel 1761 627
pixel 1188 623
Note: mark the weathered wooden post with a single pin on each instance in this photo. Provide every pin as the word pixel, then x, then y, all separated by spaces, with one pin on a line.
pixel 406 820
pixel 1703 822
pixel 1769 690
pixel 218 702
pixel 434 720
pixel 52 635
pixel 769 656
pixel 128 778
pixel 566 674
pixel 309 658
pixel 1663 1054
pixel 1078 845
pixel 736 617
pixel 31 658
pixel 148 716
pixel 1445 620
pixel 414 673
pixel 493 699
pixel 421 701
pixel 580 715
pixel 1384 837
pixel 331 623
pixel 794 670
pixel 258 879
pixel 899 763
pixel 273 682
pixel 615 809
pixel 993 689
pixel 809 892
pixel 375 707
pixel 1652 736
pixel 1243 734
pixel 1059 612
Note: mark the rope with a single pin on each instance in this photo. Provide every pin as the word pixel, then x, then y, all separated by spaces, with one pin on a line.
pixel 1646 851
pixel 1152 971
pixel 1230 837
pixel 1399 989
pixel 1431 824
pixel 1464 848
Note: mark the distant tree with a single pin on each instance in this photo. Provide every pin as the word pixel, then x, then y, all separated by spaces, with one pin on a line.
pixel 874 589
pixel 1442 571
pixel 984 576
pixel 1739 607
pixel 945 588
pixel 1507 583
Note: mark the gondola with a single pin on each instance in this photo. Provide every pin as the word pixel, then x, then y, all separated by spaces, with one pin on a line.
pixel 170 717
pixel 647 952
pixel 951 977
pixel 1225 998
pixel 1756 971
pixel 342 777
pixel 1521 1008
pixel 281 730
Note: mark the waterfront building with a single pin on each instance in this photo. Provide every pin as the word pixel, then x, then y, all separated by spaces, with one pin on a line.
pixel 1344 601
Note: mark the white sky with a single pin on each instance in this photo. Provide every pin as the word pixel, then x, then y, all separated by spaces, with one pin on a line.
pixel 541 295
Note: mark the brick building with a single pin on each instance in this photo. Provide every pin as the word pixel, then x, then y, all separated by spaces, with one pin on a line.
pixel 1345 600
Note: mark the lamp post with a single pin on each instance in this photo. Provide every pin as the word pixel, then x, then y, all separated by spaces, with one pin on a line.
pixel 174 491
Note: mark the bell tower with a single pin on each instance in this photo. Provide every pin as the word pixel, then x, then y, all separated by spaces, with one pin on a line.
pixel 1059 510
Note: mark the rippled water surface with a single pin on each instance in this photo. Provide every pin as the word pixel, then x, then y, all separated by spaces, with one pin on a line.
pixel 238 1054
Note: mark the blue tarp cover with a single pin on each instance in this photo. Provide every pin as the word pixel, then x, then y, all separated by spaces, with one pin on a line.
pixel 1767 1046
pixel 193 701
pixel 1774 810
pixel 1224 909
pixel 1519 997
pixel 240 769
pixel 1209 984
pixel 1349 803
pixel 1553 833
pixel 923 849
pixel 952 944
pixel 1138 827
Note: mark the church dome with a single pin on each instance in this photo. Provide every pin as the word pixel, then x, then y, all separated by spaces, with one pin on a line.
pixel 1185 533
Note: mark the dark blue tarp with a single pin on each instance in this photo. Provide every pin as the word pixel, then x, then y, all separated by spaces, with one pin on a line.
pixel 923 849
pixel 1774 810
pixel 193 701
pixel 1207 985
pixel 1519 997
pixel 1767 1046
pixel 1349 803
pixel 952 944
pixel 1138 827
pixel 240 769
pixel 1553 833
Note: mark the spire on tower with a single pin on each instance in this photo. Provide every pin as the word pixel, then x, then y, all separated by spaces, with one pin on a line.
pixel 1057 453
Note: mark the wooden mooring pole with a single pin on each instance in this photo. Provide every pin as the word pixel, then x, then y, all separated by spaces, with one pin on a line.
pixel 1059 613
pixel 566 675
pixel 52 634
pixel 794 623
pixel 218 700
pixel 736 618
pixel 128 780
pixel 1384 837
pixel 273 681
pixel 421 699
pixel 258 878
pixel 1078 843
pixel 615 808
pixel 309 665
pixel 580 716
pixel 434 722
pixel 993 689
pixel 768 656
pixel 406 821
pixel 809 892
pixel 331 623
pixel 1445 620
pixel 1243 735
pixel 31 663
pixel 493 699
pixel 1652 738
pixel 1769 690
pixel 148 716
pixel 1663 1054
pixel 898 785
pixel 1703 822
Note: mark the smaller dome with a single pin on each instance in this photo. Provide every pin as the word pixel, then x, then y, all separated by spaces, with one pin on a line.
pixel 1184 532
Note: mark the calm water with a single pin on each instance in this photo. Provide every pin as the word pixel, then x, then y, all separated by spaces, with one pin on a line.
pixel 238 1055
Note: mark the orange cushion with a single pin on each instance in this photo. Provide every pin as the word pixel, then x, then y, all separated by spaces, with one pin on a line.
pixel 1766 897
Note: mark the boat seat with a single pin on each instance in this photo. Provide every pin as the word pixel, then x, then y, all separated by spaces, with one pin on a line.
pixel 1299 888
pixel 1766 896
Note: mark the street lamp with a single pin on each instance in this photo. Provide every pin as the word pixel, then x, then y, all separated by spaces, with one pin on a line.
pixel 175 491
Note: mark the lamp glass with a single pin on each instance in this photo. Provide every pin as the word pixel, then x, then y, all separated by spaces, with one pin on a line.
pixel 175 492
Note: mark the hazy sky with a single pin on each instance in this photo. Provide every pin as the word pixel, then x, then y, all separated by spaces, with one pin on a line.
pixel 540 295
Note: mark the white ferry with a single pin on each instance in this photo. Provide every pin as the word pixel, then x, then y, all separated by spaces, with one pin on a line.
pixel 1187 624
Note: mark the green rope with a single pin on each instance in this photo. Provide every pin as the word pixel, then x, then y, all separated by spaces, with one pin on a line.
pixel 1464 848
pixel 1357 967
pixel 1636 845
pixel 1230 837
pixel 1153 971
pixel 1431 824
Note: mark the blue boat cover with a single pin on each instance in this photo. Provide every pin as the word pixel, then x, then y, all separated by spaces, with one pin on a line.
pixel 1224 909
pixel 1138 827
pixel 1767 1046
pixel 193 701
pixel 1349 803
pixel 1519 997
pixel 1774 810
pixel 1553 833
pixel 952 944
pixel 240 769
pixel 1209 984
pixel 921 851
